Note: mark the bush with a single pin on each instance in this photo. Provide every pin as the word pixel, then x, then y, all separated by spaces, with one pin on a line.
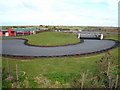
pixel 107 71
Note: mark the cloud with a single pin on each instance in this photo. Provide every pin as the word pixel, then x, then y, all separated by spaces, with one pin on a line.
pixel 59 12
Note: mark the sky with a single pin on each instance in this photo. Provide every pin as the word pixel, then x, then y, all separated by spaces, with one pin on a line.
pixel 59 12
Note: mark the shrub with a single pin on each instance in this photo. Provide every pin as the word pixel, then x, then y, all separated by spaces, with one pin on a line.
pixel 107 71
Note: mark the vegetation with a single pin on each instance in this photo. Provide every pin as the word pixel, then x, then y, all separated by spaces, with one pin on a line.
pixel 106 75
pixel 95 71
pixel 50 38
pixel 0 72
pixel 113 36
pixel 48 27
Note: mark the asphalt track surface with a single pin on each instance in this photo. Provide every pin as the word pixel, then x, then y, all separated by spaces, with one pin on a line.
pixel 17 48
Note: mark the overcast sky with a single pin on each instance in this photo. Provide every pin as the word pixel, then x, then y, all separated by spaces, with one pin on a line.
pixel 59 12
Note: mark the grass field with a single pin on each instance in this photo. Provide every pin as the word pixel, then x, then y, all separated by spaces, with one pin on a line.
pixel 50 38
pixel 57 69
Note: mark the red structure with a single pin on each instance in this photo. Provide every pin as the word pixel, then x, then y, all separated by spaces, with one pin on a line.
pixel 1 33
pixel 24 33
pixel 11 32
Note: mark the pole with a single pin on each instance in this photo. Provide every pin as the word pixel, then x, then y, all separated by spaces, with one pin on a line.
pixel 16 72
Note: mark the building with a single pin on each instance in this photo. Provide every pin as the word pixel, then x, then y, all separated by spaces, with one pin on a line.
pixel 1 33
pixel 9 32
pixel 19 31
pixel 25 31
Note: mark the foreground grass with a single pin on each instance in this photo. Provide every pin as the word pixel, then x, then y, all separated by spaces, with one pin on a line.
pixel 63 69
pixel 50 38
pixel 0 73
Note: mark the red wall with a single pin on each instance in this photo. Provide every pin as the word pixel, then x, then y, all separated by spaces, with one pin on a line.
pixel 24 33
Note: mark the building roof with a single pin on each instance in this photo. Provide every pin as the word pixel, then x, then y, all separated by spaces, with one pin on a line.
pixel 21 29
pixel 3 30
pixel 24 29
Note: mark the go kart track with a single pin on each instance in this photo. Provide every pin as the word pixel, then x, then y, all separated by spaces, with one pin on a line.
pixel 19 48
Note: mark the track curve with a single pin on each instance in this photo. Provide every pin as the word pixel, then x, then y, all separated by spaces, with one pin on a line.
pixel 17 48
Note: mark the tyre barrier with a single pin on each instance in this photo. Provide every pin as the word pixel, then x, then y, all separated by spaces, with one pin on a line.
pixel 117 43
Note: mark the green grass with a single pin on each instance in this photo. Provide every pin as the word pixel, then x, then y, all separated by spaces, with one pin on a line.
pixel 62 69
pixel 111 36
pixel 0 72
pixel 50 38
pixel 51 65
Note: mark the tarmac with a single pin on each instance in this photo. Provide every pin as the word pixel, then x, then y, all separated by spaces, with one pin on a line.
pixel 18 48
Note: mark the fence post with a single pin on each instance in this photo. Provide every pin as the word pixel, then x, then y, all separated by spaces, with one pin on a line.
pixel 16 72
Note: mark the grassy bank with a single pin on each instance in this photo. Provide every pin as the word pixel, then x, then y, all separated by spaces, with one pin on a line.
pixel 50 38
